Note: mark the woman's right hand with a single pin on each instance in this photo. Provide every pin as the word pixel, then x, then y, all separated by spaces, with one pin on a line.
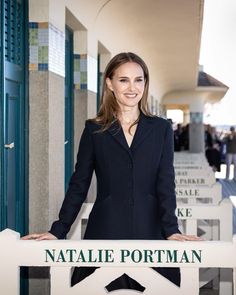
pixel 40 237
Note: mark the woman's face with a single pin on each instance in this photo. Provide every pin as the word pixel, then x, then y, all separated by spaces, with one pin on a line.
pixel 127 84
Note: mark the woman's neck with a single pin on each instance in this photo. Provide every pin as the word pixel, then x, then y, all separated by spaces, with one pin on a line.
pixel 128 116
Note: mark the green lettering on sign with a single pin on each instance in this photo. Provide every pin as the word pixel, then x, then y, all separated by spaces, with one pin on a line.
pixel 184 258
pixel 81 257
pixel 50 255
pixel 171 256
pixel 61 257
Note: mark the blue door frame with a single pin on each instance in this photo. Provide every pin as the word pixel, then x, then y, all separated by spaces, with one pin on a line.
pixel 69 106
pixel 99 82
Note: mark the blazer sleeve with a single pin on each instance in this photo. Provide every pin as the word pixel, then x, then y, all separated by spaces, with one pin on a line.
pixel 78 186
pixel 165 186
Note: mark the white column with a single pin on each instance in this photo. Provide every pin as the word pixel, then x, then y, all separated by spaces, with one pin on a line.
pixel 46 122
pixel 196 127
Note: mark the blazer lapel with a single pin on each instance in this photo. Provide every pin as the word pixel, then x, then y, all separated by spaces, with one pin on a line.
pixel 143 129
pixel 117 133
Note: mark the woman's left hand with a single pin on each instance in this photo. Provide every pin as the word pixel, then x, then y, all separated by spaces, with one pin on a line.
pixel 181 237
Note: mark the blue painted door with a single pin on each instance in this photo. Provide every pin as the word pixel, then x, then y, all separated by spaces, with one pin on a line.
pixel 69 106
pixel 14 119
pixel 13 135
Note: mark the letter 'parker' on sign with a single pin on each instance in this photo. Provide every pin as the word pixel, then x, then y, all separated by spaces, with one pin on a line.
pixel 135 256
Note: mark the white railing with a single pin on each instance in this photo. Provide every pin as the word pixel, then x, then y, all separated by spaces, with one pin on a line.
pixel 214 220
pixel 188 213
pixel 222 213
pixel 117 257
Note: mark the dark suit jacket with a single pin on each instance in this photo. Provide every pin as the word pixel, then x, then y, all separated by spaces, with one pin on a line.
pixel 135 185
pixel 135 188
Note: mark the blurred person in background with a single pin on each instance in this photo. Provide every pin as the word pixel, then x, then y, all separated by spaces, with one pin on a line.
pixel 212 148
pixel 230 141
pixel 178 138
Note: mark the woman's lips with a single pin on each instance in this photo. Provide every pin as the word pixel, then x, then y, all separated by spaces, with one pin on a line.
pixel 130 95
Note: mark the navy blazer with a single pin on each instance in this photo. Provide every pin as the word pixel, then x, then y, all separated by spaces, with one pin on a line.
pixel 135 185
pixel 135 188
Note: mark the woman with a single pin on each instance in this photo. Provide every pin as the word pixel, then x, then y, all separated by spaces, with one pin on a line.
pixel 131 152
pixel 230 141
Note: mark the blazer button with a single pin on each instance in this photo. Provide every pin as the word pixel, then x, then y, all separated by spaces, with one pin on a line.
pixel 130 165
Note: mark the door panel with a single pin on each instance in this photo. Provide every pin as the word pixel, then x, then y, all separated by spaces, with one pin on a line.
pixel 11 154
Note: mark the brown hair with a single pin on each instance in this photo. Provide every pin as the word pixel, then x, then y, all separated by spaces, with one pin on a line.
pixel 109 107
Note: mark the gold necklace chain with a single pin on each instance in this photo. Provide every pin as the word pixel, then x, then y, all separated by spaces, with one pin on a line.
pixel 123 121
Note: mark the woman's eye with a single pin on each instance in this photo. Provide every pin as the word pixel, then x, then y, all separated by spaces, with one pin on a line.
pixel 125 80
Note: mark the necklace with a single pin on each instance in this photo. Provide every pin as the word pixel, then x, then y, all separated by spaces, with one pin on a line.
pixel 128 121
